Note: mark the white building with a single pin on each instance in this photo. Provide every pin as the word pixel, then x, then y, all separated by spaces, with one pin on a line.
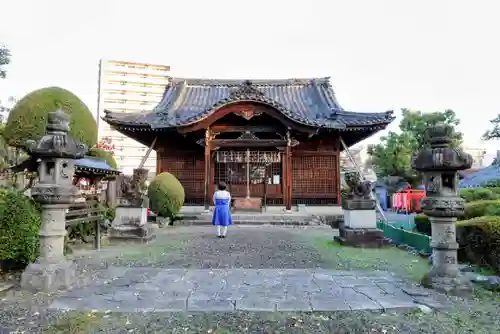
pixel 129 87
pixel 478 155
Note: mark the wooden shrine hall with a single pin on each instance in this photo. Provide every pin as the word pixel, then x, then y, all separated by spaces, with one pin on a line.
pixel 274 142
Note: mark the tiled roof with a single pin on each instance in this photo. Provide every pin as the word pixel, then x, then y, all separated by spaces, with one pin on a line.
pixel 310 102
pixel 482 176
pixel 95 165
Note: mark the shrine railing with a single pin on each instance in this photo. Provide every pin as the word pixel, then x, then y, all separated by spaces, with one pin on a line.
pixel 90 213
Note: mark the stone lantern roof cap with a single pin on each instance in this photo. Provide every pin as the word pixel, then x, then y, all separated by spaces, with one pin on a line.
pixel 57 143
pixel 440 135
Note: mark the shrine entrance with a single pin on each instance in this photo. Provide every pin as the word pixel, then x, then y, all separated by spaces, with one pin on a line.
pixel 250 173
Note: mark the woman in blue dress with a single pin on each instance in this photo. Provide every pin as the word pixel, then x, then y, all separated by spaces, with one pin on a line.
pixel 222 211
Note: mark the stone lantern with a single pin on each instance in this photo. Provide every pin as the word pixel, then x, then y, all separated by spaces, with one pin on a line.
pixel 55 191
pixel 443 206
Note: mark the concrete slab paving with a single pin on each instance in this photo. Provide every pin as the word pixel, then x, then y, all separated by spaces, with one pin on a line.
pixel 220 290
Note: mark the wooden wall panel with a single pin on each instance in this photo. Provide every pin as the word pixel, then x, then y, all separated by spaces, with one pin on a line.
pixel 189 168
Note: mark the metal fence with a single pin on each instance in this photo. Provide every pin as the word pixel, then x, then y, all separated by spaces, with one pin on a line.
pixel 400 235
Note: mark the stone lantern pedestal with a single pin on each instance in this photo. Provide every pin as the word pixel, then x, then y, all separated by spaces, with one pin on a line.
pixel 131 218
pixel 443 205
pixel 55 191
pixel 359 228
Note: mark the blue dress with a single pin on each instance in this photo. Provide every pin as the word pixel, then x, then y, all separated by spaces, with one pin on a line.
pixel 222 210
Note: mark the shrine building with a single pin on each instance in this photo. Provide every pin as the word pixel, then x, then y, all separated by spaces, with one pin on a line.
pixel 274 142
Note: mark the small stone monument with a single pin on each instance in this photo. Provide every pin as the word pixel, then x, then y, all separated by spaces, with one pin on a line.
pixel 359 228
pixel 55 191
pixel 443 205
pixel 131 218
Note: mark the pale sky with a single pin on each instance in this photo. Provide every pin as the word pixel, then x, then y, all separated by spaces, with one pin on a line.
pixel 380 54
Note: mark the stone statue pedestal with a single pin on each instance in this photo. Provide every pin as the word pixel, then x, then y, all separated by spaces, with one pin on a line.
pixel 48 277
pixel 131 222
pixel 359 228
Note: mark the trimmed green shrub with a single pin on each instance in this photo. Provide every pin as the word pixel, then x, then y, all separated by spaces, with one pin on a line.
pixel 104 155
pixel 28 119
pixel 19 227
pixel 479 240
pixel 476 194
pixel 423 224
pixel 495 190
pixel 480 208
pixel 166 195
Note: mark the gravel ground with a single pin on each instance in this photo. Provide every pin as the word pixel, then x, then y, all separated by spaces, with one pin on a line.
pixel 248 247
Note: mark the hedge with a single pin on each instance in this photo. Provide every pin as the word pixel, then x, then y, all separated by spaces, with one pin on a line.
pixel 476 194
pixel 479 240
pixel 423 224
pixel 19 228
pixel 166 195
pixel 481 208
pixel 28 118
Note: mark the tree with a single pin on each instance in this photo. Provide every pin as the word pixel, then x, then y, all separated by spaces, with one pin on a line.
pixel 392 156
pixel 495 132
pixel 4 60
pixel 28 118
pixel 417 122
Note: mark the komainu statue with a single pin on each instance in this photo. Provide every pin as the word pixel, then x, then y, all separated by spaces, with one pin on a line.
pixel 358 189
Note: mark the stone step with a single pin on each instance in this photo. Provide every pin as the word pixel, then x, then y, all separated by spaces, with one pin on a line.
pixel 251 222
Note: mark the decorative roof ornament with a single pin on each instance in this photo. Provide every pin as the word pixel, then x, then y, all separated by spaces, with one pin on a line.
pixel 246 90
pixel 56 142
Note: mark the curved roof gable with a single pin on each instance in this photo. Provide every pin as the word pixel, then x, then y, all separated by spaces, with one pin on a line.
pixel 310 102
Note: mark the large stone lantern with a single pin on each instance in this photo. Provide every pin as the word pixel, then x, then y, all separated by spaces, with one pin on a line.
pixel 443 205
pixel 55 191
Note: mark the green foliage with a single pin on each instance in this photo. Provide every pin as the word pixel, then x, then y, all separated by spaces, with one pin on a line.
pixel 480 208
pixel 28 119
pixel 494 133
pixel 479 240
pixel 19 227
pixel 110 214
pixel 4 60
pixel 416 123
pixel 166 195
pixel 104 155
pixel 392 156
pixel 476 194
pixel 423 224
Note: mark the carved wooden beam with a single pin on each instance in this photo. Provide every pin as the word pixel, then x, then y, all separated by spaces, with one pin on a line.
pixel 242 128
pixel 248 142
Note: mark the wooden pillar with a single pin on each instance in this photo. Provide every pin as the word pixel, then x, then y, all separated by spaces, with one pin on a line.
pixel 337 172
pixel 207 169
pixel 284 182
pixel 288 158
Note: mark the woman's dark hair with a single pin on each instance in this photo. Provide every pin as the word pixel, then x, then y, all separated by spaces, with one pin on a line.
pixel 222 186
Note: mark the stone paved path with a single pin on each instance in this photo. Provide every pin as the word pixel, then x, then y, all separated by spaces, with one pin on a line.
pixel 254 269
pixel 169 290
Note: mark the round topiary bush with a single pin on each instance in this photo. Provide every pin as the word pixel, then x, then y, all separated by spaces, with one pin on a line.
pixel 479 241
pixel 104 155
pixel 481 208
pixel 476 194
pixel 19 227
pixel 166 195
pixel 423 224
pixel 28 119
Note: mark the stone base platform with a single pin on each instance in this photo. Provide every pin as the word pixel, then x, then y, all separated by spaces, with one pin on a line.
pixel 48 277
pixel 360 237
pixel 140 233
pixel 248 218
